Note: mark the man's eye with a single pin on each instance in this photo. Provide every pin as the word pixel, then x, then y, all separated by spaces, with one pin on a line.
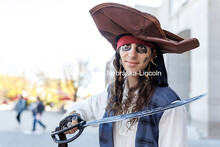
pixel 126 47
pixel 141 49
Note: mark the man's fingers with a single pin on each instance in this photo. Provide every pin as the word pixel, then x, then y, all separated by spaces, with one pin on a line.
pixel 72 130
pixel 74 122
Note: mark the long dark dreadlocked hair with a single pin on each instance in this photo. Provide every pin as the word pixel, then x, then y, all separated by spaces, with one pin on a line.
pixel 145 91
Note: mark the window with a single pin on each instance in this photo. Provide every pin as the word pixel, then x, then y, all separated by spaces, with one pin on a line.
pixel 176 5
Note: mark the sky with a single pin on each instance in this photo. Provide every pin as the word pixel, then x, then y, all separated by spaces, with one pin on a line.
pixel 48 35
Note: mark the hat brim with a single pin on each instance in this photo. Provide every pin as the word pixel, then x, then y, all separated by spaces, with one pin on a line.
pixel 114 19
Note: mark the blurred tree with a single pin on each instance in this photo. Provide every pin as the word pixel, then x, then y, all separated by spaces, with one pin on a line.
pixel 76 77
pixel 46 88
pixel 11 87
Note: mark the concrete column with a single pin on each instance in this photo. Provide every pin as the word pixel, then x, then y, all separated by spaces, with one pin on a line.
pixel 214 70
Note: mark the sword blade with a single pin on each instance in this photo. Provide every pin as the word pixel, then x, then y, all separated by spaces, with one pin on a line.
pixel 142 113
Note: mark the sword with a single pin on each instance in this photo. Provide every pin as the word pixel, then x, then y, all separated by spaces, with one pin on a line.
pixel 81 125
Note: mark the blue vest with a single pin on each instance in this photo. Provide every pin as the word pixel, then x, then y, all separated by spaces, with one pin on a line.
pixel 148 127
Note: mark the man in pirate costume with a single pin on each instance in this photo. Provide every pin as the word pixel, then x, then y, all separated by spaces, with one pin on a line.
pixel 139 42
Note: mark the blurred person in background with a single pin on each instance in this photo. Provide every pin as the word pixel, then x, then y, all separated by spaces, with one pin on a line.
pixel 37 113
pixel 20 107
pixel 139 42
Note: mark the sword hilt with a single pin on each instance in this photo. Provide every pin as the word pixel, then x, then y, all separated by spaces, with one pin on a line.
pixel 78 125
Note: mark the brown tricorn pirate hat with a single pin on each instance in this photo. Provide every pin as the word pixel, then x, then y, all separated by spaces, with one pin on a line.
pixel 113 20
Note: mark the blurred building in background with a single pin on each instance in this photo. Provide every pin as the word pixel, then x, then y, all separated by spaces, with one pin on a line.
pixel 194 72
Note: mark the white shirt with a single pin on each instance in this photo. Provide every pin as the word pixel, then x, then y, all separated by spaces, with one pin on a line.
pixel 172 125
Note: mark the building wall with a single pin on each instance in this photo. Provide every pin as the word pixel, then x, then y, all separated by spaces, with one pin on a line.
pixel 190 17
pixel 202 19
pixel 213 67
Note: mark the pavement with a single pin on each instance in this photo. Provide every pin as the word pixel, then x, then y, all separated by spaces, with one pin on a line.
pixel 13 135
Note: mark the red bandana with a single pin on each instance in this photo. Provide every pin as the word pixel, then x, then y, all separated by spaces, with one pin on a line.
pixel 128 39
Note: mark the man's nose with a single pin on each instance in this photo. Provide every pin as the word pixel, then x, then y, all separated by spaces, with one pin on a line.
pixel 133 52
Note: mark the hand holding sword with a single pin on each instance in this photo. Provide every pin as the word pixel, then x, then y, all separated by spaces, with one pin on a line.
pixel 73 122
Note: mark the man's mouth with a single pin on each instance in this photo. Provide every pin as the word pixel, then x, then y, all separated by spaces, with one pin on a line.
pixel 132 62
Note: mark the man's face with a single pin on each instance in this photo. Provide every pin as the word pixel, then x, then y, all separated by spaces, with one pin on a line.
pixel 135 57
